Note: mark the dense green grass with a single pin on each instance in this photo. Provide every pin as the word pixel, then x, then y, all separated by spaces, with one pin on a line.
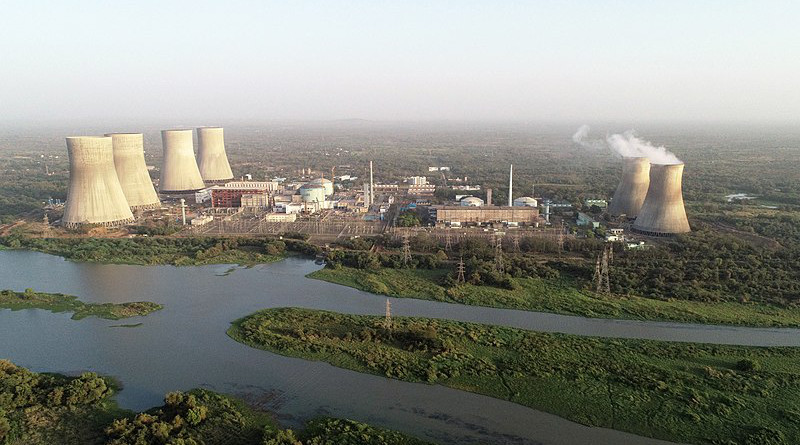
pixel 676 391
pixel 557 296
pixel 68 303
pixel 44 409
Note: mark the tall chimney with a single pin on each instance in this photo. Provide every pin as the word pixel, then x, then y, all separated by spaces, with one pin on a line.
pixel 511 186
pixel 488 197
pixel 371 185
pixel 662 212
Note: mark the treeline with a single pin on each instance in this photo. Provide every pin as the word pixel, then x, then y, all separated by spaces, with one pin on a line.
pixel 161 250
pixel 710 266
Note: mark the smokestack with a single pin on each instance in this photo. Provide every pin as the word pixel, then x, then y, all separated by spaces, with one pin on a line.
pixel 632 190
pixel 371 185
pixel 95 195
pixel 179 172
pixel 511 186
pixel 488 197
pixel 183 211
pixel 128 149
pixel 662 213
pixel 211 157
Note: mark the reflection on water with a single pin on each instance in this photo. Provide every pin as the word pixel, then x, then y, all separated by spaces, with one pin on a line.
pixel 184 346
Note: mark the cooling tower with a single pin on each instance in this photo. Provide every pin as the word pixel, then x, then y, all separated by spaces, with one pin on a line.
pixel 95 195
pixel 211 157
pixel 179 173
pixel 132 171
pixel 662 213
pixel 632 190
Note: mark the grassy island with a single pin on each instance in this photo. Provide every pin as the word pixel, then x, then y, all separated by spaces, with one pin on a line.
pixel 190 251
pixel 561 296
pixel 689 393
pixel 44 409
pixel 67 303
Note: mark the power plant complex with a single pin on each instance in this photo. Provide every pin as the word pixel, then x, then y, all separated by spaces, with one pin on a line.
pixel 109 180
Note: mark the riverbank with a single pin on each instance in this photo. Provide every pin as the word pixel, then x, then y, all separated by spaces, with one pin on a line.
pixel 42 409
pixel 178 251
pixel 683 392
pixel 67 303
pixel 556 296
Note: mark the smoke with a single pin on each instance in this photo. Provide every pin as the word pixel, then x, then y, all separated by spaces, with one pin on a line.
pixel 628 145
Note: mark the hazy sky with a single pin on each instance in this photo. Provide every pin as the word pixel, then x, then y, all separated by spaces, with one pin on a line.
pixel 400 60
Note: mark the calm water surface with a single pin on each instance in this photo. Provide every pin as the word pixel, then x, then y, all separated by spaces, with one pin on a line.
pixel 184 346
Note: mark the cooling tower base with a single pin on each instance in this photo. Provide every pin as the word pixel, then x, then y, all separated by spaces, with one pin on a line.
pixel 217 181
pixel 155 205
pixel 655 234
pixel 109 224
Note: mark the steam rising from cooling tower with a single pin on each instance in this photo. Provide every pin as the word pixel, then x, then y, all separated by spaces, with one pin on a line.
pixel 211 156
pixel 95 195
pixel 662 212
pixel 132 171
pixel 179 172
pixel 631 191
pixel 627 145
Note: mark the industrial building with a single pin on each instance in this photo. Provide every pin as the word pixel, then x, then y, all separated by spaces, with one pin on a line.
pixel 211 157
pixel 663 213
pixel 231 193
pixel 94 195
pixel 525 201
pixel 484 214
pixel 179 173
pixel 128 149
pixel 631 191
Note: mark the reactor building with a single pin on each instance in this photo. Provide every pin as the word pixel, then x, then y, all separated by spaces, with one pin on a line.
pixel 632 190
pixel 95 195
pixel 179 172
pixel 132 171
pixel 211 156
pixel 663 213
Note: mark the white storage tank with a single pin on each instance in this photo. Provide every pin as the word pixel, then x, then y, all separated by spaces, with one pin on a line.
pixel 471 201
pixel 525 201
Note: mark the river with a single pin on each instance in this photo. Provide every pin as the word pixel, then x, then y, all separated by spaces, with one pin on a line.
pixel 184 346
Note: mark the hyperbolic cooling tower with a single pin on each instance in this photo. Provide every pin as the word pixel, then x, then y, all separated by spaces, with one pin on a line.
pixel 662 212
pixel 211 155
pixel 95 195
pixel 179 173
pixel 632 190
pixel 132 171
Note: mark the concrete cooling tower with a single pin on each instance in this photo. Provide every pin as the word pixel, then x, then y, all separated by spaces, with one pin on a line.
pixel 632 190
pixel 132 171
pixel 179 173
pixel 95 195
pixel 662 213
pixel 211 156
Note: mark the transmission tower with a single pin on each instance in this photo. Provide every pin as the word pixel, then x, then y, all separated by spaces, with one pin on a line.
pixel 406 250
pixel 387 323
pixel 602 283
pixel 460 279
pixel 561 238
pixel 447 242
pixel 498 255
pixel 515 241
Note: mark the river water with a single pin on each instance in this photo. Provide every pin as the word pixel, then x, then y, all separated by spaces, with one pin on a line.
pixel 184 346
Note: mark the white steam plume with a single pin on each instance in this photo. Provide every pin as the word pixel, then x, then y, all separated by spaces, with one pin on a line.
pixel 627 145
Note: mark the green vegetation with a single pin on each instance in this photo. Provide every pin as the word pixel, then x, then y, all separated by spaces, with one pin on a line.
pixel 68 303
pixel 44 409
pixel 689 393
pixel 148 251
pixel 559 296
